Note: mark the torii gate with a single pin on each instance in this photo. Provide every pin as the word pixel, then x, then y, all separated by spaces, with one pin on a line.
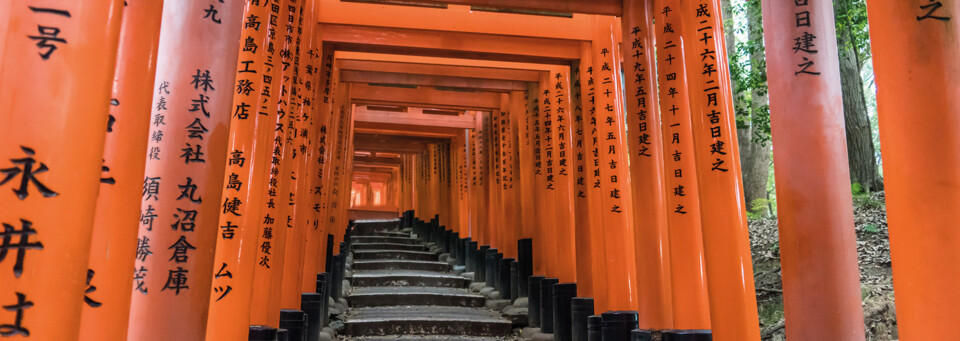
pixel 236 123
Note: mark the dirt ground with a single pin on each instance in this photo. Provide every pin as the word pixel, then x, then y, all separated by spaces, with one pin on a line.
pixel 873 251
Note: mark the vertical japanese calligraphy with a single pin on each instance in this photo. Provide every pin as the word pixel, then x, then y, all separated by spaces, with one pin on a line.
pixel 733 308
pixel 690 306
pixel 58 61
pixel 111 255
pixel 185 168
pixel 646 167
pixel 611 152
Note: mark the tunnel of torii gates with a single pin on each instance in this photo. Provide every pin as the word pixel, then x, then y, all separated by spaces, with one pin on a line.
pixel 183 170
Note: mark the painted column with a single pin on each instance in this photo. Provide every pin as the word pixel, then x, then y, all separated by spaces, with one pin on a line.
pixel 495 224
pixel 814 205
pixel 733 303
pixel 562 144
pixel 591 268
pixel 58 63
pixel 646 167
pixel 619 253
pixel 315 246
pixel 691 309
pixel 110 268
pixel 549 220
pixel 184 171
pixel 524 177
pixel 252 120
pixel 271 242
pixel 915 60
pixel 301 134
pixel 540 260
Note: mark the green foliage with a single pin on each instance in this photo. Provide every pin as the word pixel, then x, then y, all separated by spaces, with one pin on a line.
pixel 863 199
pixel 871 228
pixel 758 208
pixel 853 14
pixel 749 75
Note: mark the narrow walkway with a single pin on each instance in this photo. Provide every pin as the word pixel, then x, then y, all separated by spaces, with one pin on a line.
pixel 401 290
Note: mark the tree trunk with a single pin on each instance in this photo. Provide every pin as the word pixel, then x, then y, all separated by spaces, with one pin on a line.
pixel 755 155
pixel 860 152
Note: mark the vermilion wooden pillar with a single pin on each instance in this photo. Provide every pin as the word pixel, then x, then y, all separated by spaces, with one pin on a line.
pixel 618 239
pixel 733 306
pixel 537 185
pixel 105 314
pixel 58 61
pixel 509 195
pixel 463 183
pixel 549 220
pixel 494 226
pixel 688 281
pixel 523 179
pixel 646 166
pixel 271 242
pixel 313 111
pixel 562 144
pixel 185 164
pixel 250 145
pixel 348 160
pixel 915 52
pixel 301 133
pixel 591 268
pixel 814 206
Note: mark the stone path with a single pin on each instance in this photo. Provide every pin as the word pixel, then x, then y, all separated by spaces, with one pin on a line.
pixel 400 290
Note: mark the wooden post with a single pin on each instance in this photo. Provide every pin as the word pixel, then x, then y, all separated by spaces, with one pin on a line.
pixel 616 199
pixel 58 63
pixel 646 167
pixel 914 52
pixel 591 268
pixel 549 233
pixel 563 157
pixel 300 133
pixel 185 165
pixel 272 238
pixel 105 314
pixel 251 130
pixel 689 284
pixel 814 205
pixel 316 117
pixel 733 303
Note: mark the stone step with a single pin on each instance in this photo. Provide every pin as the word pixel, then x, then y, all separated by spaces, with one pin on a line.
pixel 385 239
pixel 391 234
pixel 394 254
pixel 413 296
pixel 407 278
pixel 424 337
pixel 388 246
pixel 425 320
pixel 381 264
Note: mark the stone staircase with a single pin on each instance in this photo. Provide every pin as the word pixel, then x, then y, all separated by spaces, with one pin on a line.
pixel 401 290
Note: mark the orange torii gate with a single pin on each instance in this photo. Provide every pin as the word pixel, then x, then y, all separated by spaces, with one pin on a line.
pixel 627 184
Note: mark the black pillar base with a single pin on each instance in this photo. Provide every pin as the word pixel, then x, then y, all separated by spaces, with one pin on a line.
pixel 562 294
pixel 312 305
pixel 546 304
pixel 533 303
pixel 262 333
pixel 524 265
pixel 617 325
pixel 295 322
pixel 580 309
